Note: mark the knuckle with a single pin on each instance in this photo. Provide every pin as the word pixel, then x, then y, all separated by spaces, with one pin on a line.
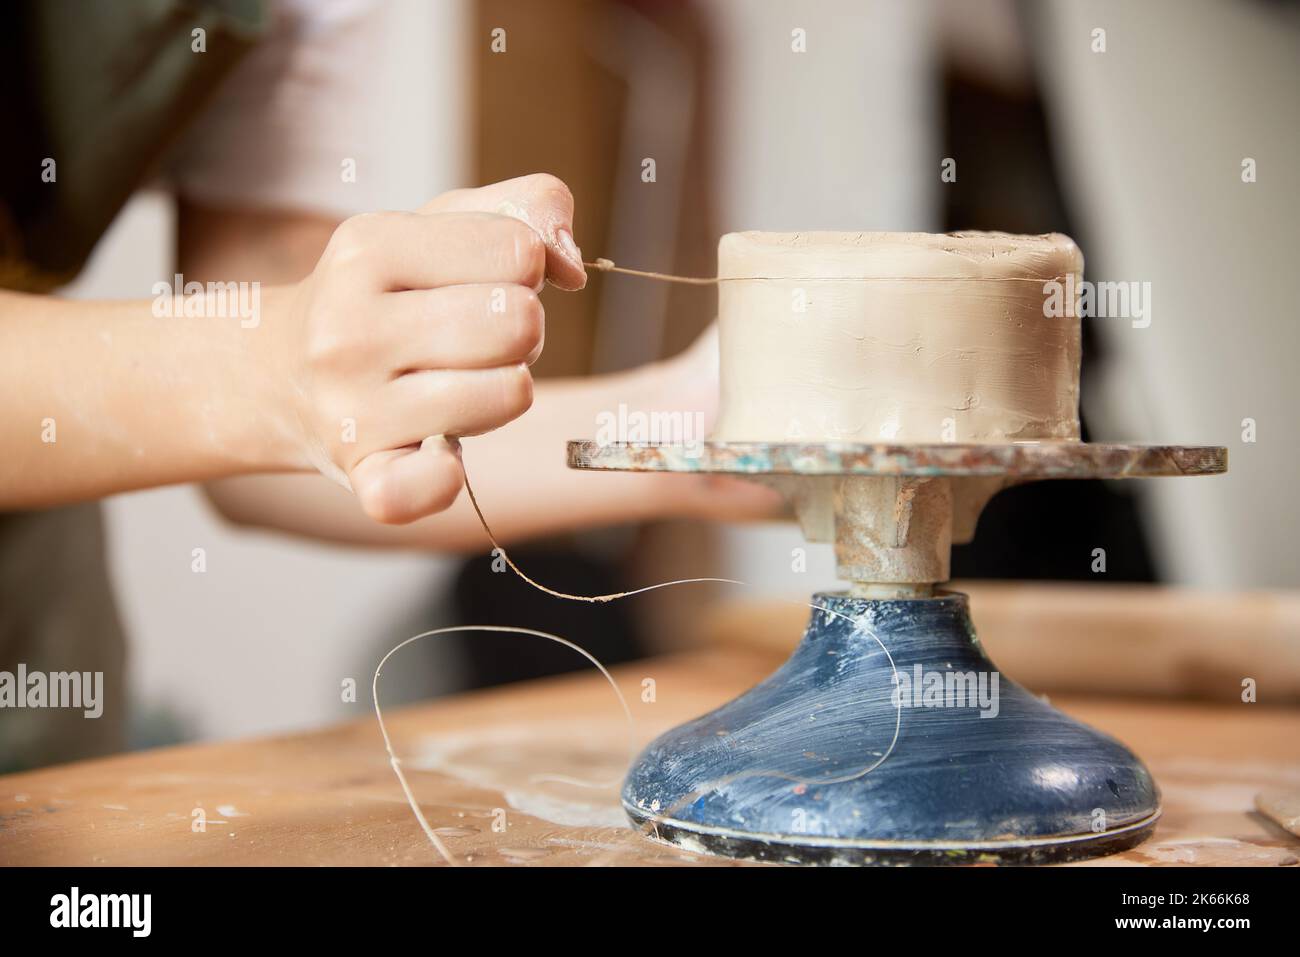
pixel 445 489
pixel 529 253
pixel 452 198
pixel 551 188
pixel 531 321
pixel 517 390
pixel 378 497
pixel 350 242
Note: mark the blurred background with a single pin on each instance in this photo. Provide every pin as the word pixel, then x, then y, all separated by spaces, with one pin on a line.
pixel 1136 150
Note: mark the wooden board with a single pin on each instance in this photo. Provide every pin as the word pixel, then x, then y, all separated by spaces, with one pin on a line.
pixel 330 797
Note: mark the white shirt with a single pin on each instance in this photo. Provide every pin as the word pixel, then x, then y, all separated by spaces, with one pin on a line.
pixel 297 124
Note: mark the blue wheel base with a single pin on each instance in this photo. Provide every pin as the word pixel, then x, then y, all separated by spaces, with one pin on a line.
pixel 841 757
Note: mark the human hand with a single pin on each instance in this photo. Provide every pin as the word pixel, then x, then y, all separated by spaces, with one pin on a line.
pixel 415 326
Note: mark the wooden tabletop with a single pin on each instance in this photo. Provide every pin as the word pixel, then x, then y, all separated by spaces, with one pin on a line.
pixel 330 797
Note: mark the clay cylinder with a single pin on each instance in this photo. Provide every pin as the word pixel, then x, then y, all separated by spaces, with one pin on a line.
pixel 896 337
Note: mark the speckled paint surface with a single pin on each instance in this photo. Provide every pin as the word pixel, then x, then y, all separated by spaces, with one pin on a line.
pixel 1017 460
pixel 826 752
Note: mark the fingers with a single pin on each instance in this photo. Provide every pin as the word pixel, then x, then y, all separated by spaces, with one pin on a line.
pixel 542 201
pixel 465 327
pixel 402 485
pixel 443 402
pixel 386 252
pixel 425 323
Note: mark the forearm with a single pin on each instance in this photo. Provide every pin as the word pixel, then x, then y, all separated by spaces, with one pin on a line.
pixel 107 397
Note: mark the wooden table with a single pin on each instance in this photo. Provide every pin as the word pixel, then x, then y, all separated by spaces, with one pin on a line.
pixel 330 797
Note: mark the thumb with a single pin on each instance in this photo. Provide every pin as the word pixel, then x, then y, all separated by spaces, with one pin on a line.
pixel 543 202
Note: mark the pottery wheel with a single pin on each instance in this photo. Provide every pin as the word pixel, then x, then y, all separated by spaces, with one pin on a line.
pixel 841 756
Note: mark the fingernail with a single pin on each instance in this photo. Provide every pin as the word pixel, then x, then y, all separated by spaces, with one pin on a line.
pixel 569 247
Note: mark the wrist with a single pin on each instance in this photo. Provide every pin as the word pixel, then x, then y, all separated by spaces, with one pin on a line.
pixel 275 434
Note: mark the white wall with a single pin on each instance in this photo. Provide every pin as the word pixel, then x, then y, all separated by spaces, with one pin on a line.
pixel 1152 134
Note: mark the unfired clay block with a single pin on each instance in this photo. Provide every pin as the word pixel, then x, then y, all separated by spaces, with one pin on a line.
pixel 945 340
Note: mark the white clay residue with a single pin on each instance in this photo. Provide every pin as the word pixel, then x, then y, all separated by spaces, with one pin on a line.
pixel 515 762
